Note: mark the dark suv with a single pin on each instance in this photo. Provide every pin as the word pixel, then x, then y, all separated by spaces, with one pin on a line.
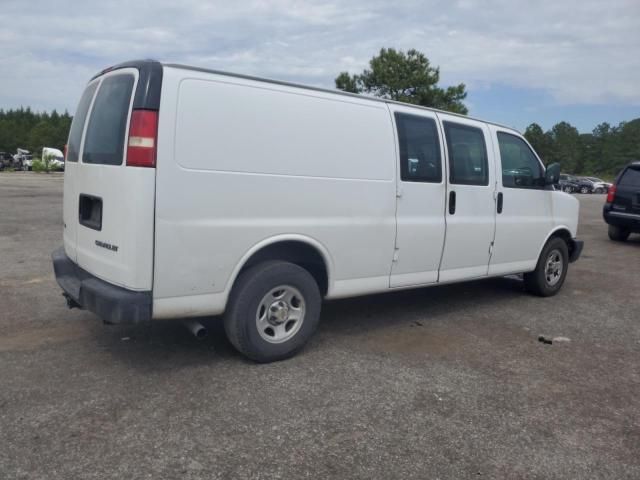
pixel 622 210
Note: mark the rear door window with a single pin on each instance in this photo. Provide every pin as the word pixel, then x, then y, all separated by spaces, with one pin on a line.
pixel 75 134
pixel 104 140
pixel 630 178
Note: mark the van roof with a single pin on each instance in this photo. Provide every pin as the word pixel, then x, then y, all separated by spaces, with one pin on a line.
pixel 145 64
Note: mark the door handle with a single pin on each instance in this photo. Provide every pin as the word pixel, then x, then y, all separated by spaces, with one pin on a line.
pixel 452 202
pixel 500 202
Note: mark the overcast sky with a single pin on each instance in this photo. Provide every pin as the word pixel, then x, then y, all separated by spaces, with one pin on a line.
pixel 535 61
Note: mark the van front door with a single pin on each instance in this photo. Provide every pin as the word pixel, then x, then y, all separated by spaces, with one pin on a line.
pixel 421 198
pixel 470 212
pixel 524 218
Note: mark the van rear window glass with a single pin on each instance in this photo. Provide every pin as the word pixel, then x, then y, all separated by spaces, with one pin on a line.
pixel 75 134
pixel 419 149
pixel 104 141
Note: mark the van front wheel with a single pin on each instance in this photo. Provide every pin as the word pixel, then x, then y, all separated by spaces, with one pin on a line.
pixel 273 310
pixel 551 270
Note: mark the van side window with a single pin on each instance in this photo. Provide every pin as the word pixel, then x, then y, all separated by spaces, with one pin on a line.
pixel 420 159
pixel 77 125
pixel 520 167
pixel 468 163
pixel 104 140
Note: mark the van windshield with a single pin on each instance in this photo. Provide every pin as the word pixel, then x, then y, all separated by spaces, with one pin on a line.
pixel 104 141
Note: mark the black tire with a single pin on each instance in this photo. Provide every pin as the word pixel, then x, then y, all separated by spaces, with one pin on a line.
pixel 599 190
pixel 251 287
pixel 618 234
pixel 537 282
pixel 584 190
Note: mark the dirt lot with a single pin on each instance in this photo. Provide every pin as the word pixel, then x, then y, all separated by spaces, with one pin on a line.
pixel 446 382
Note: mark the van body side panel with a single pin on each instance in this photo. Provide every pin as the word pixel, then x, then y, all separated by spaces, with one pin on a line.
pixel 241 162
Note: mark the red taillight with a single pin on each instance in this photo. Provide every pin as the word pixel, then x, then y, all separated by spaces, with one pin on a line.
pixel 143 134
pixel 611 194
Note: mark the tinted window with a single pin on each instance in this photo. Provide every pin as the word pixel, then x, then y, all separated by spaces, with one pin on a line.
pixel 419 149
pixel 75 134
pixel 468 163
pixel 104 142
pixel 520 167
pixel 631 177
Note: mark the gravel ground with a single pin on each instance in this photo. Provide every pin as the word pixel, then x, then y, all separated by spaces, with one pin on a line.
pixel 444 382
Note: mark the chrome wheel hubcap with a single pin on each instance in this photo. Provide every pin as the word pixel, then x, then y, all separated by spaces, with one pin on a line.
pixel 280 314
pixel 553 268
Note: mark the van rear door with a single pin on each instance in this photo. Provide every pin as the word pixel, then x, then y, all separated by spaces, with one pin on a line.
pixel 108 203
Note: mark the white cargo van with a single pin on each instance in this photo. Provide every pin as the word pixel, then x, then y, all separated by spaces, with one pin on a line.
pixel 191 192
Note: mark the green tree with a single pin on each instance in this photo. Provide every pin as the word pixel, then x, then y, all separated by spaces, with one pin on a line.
pixel 566 147
pixel 541 142
pixel 404 77
pixel 22 128
pixel 630 140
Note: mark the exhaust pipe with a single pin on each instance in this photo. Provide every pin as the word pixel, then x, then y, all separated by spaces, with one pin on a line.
pixel 196 328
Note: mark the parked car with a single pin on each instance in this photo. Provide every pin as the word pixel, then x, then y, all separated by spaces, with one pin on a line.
pixel 567 183
pixel 191 192
pixel 599 186
pixel 622 209
pixel 580 185
pixel 6 160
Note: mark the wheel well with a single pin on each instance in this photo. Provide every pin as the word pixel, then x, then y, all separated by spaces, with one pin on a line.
pixel 566 236
pixel 300 253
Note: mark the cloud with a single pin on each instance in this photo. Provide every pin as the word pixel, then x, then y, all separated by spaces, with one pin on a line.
pixel 579 52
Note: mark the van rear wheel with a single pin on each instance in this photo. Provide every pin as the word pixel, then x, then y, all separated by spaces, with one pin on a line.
pixel 273 310
pixel 551 270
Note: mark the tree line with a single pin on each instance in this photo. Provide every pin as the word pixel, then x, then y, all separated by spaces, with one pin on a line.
pixel 24 128
pixel 602 152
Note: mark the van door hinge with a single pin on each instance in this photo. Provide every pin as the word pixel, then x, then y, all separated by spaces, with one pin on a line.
pixel 491 249
pixel 395 255
pixel 398 191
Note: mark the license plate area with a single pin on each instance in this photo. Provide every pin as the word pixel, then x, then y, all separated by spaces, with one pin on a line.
pixel 90 211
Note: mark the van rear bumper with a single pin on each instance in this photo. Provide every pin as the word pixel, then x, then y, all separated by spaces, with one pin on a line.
pixel 115 305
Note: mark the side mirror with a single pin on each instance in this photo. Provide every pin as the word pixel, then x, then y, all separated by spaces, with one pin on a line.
pixel 552 175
